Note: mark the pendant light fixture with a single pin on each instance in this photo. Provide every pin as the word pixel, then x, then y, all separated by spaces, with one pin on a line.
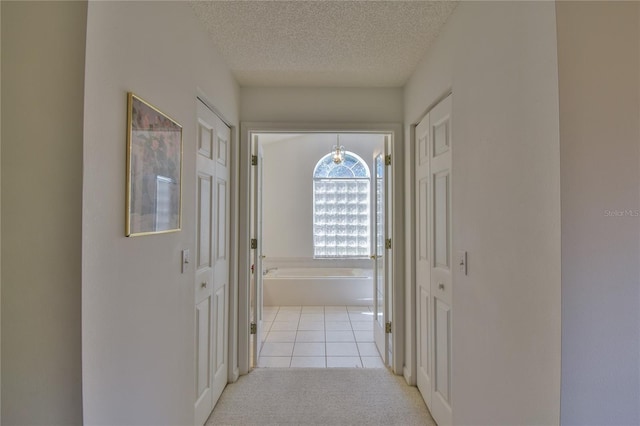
pixel 337 154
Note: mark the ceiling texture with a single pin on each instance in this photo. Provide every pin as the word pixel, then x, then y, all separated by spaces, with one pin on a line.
pixel 323 43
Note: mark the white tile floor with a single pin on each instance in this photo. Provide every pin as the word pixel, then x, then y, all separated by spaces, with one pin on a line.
pixel 318 336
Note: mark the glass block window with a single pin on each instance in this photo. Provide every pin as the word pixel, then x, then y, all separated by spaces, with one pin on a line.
pixel 341 208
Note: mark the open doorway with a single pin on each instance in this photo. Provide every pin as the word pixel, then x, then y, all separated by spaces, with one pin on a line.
pixel 390 322
pixel 319 268
pixel 317 232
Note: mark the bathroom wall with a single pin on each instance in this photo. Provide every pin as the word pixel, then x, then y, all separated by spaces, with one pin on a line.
pixel 288 193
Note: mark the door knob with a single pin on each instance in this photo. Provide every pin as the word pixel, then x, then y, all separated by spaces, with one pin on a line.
pixel 441 286
pixel 203 285
pixel 374 257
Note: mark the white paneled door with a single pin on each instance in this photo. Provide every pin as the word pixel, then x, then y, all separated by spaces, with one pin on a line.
pixel 433 259
pixel 423 268
pixel 382 253
pixel 211 260
pixel 258 257
pixel 379 276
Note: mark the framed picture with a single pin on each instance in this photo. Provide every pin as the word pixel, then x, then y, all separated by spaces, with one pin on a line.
pixel 154 170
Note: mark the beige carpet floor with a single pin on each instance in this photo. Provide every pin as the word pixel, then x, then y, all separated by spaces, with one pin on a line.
pixel 335 396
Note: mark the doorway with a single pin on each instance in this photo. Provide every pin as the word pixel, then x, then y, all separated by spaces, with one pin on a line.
pixel 306 271
pixel 316 236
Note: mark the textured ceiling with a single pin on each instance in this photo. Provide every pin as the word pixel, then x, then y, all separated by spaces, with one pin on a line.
pixel 323 43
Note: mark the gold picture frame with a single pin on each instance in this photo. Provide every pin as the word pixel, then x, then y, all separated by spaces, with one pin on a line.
pixel 154 170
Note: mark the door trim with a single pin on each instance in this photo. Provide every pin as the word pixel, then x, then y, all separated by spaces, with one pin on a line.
pixel 398 229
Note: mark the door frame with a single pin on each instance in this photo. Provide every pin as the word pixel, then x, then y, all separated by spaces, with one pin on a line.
pixel 247 129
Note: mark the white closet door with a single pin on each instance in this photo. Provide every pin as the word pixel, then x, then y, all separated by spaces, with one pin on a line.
pixel 441 264
pixel 424 341
pixel 433 260
pixel 211 260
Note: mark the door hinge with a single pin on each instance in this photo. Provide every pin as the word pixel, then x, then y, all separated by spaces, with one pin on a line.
pixel 254 160
pixel 387 327
pixel 253 328
pixel 387 160
pixel 254 243
pixel 387 244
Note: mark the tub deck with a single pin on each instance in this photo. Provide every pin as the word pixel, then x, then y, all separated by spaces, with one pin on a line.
pixel 318 286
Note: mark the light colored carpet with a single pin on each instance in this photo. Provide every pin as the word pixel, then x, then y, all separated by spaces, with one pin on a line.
pixel 336 396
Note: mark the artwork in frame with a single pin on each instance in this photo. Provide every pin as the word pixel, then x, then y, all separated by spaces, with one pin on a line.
pixel 154 170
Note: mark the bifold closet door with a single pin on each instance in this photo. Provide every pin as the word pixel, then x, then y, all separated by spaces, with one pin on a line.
pixel 211 260
pixel 433 260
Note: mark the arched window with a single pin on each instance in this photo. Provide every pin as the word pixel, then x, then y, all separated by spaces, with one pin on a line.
pixel 341 208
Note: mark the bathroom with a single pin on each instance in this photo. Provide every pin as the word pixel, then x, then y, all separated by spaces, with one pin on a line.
pixel 317 271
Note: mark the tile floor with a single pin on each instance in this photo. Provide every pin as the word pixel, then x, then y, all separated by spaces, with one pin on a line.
pixel 319 336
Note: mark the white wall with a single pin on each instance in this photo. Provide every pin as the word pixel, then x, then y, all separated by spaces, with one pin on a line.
pixel 500 61
pixel 288 191
pixel 42 96
pixel 321 105
pixel 138 309
pixel 600 146
pixel 0 217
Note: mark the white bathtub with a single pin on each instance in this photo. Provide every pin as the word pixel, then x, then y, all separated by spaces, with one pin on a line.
pixel 318 286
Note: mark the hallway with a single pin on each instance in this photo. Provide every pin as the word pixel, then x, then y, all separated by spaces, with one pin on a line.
pixel 542 201
pixel 337 396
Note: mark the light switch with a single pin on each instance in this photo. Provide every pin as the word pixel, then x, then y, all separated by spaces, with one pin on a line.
pixel 462 262
pixel 185 260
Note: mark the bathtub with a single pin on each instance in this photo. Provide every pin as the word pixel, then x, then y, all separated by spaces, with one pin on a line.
pixel 317 286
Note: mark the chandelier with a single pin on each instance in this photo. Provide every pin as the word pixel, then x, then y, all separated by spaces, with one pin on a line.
pixel 337 153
